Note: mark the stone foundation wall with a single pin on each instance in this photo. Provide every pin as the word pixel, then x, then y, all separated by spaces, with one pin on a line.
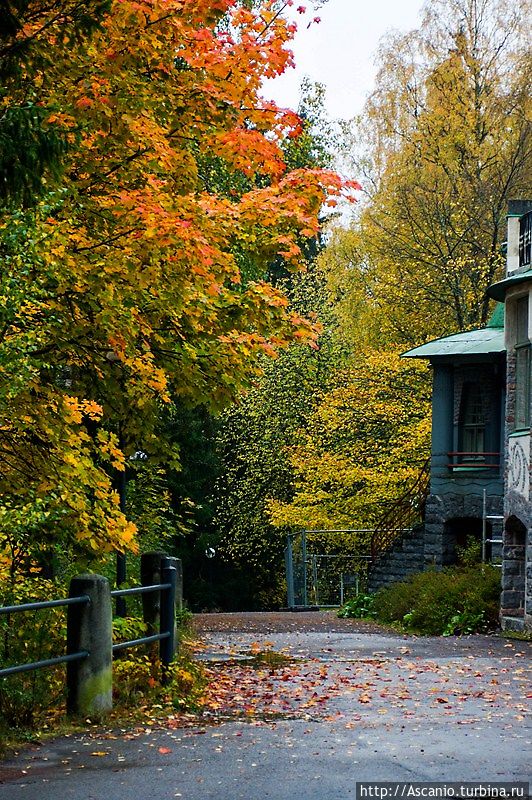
pixel 404 559
pixel 440 545
pixel 516 595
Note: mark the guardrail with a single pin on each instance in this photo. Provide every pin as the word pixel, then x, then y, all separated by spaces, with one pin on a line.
pixel 89 645
pixel 47 662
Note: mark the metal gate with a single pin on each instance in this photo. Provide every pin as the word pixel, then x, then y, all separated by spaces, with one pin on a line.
pixel 322 580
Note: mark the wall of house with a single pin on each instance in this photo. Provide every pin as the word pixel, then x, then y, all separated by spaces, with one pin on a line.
pixel 456 495
pixel 516 596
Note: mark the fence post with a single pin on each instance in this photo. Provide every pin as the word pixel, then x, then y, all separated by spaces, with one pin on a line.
pixel 289 563
pixel 178 564
pixel 168 596
pixel 150 574
pixel 90 628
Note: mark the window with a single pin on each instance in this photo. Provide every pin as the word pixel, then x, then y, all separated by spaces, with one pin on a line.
pixel 522 366
pixel 473 426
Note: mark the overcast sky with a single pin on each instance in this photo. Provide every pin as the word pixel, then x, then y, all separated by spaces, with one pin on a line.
pixel 339 51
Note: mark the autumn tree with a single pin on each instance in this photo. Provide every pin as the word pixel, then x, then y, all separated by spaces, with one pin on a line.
pixel 365 441
pixel 448 142
pixel 123 285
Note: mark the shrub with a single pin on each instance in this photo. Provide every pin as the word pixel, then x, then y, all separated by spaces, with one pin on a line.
pixel 471 554
pixel 140 681
pixel 359 607
pixel 26 637
pixel 454 601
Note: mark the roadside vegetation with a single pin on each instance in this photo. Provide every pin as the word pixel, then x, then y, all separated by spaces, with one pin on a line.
pixel 32 704
pixel 455 601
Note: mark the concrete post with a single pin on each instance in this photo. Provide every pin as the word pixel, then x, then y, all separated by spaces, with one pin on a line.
pixel 177 564
pixel 89 627
pixel 150 574
pixel 168 605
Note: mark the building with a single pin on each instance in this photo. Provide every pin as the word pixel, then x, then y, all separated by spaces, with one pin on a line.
pixel 516 293
pixel 466 467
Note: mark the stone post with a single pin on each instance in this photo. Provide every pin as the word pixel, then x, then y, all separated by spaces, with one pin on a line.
pixel 89 628
pixel 178 566
pixel 168 605
pixel 150 574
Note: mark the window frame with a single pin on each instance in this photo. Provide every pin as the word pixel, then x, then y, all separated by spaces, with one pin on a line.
pixel 522 352
pixel 472 396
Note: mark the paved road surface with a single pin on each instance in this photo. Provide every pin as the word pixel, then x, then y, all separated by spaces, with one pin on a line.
pixel 352 704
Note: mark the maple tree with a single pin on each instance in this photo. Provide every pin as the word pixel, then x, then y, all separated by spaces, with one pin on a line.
pixel 128 289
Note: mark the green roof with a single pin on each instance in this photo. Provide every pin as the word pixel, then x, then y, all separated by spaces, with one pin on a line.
pixel 498 290
pixel 497 318
pixel 482 341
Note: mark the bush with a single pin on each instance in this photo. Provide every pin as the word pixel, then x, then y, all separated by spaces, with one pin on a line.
pixel 140 681
pixel 26 637
pixel 471 554
pixel 359 607
pixel 454 601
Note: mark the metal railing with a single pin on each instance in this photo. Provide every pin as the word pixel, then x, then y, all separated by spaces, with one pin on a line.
pixel 46 662
pixel 166 635
pixel 470 461
pixel 525 240
pixel 407 511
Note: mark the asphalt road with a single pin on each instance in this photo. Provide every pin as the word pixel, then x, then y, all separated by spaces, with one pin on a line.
pixel 352 704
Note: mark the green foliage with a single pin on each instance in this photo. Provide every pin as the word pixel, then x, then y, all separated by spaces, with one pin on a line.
pixel 26 637
pixel 454 601
pixel 150 505
pixel 471 553
pixel 359 607
pixel 29 151
pixel 141 681
pixel 253 441
pixel 128 628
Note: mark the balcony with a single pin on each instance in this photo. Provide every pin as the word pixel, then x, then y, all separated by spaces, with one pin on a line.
pixel 479 462
pixel 525 240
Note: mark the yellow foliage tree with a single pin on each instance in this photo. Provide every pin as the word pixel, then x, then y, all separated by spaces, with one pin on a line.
pixel 366 441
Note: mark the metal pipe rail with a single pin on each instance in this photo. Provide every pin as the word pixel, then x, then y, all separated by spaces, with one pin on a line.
pixel 67 601
pixel 156 587
pixel 47 662
pixel 167 615
pixel 157 637
pixel 166 635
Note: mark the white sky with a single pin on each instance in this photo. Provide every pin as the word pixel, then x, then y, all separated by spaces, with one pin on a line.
pixel 339 51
